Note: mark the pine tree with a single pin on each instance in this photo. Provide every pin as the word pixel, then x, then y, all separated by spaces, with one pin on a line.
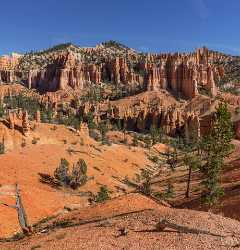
pixel 90 120
pixel 193 162
pixel 156 134
pixel 216 146
pixel 2 111
pixel 103 130
pixel 172 156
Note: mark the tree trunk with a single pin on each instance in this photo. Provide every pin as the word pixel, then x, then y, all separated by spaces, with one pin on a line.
pixel 188 182
pixel 22 216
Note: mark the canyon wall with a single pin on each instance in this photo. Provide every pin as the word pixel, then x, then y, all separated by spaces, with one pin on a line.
pixel 183 74
pixel 155 109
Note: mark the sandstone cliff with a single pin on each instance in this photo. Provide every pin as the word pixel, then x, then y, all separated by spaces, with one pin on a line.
pixel 73 67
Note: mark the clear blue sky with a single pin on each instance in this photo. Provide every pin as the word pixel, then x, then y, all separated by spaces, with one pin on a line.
pixel 147 25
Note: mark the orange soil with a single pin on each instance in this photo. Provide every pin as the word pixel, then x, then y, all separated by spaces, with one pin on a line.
pixel 106 164
pixel 139 215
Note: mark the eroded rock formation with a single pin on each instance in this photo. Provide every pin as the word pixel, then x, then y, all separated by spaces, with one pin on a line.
pixel 25 124
pixel 141 113
pixel 84 129
pixel 18 119
pixel 38 117
pixel 11 119
pixel 183 74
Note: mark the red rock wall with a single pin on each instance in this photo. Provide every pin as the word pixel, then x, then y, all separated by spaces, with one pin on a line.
pixel 181 73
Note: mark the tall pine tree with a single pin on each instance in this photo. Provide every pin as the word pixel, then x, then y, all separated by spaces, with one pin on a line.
pixel 216 146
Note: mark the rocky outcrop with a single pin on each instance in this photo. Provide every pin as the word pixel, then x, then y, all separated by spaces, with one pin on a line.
pixel 84 129
pixel 8 68
pixel 183 74
pixel 38 117
pixel 7 76
pixel 11 119
pixel 19 120
pixel 25 124
pixel 140 114
pixel 231 99
pixel 9 62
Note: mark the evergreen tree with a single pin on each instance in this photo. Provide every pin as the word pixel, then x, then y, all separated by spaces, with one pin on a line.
pixel 145 188
pixel 172 156
pixel 156 134
pixel 135 140
pixel 148 142
pixel 89 119
pixel 169 193
pixel 62 172
pixel 2 111
pixel 79 174
pixel 216 146
pixel 119 125
pixel 2 147
pixel 103 130
pixel 103 194
pixel 49 115
pixel 193 162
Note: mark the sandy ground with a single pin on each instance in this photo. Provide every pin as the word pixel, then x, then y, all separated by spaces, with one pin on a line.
pixel 139 216
pixel 109 165
pixel 106 164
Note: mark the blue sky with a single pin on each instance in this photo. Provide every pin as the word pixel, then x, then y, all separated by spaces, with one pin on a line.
pixel 146 25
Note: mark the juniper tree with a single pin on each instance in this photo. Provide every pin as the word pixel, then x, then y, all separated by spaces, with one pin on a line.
pixel 79 174
pixel 216 147
pixel 62 172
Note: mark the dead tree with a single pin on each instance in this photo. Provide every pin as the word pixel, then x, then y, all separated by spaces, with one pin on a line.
pixel 22 216
pixel 164 223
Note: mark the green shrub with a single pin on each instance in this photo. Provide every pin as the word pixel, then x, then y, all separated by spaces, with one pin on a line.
pixel 145 188
pixel 2 147
pixel 168 193
pixel 23 144
pixel 102 195
pixel 94 134
pixel 148 142
pixel 154 158
pixel 135 140
pixel 156 134
pixel 35 140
